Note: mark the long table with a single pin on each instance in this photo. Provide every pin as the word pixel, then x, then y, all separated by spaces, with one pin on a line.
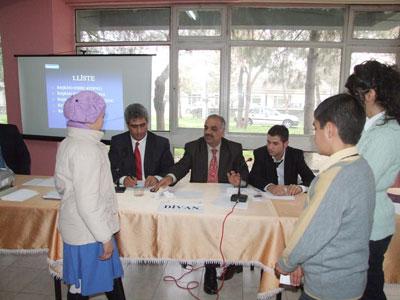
pixel 152 230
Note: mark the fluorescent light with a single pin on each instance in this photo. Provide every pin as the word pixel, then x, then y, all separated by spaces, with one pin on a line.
pixel 192 14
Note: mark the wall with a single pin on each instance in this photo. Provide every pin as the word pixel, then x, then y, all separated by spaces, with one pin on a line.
pixel 33 27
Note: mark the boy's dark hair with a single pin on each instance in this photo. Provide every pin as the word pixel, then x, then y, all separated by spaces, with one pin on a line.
pixel 281 131
pixel 384 79
pixel 346 112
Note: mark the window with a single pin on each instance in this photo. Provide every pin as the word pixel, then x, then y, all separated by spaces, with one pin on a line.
pixel 359 57
pixel 3 111
pixel 122 25
pixel 287 24
pixel 199 22
pixel 199 73
pixel 376 25
pixel 256 66
pixel 146 30
pixel 282 74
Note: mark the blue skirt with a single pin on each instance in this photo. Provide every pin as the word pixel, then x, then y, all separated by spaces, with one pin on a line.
pixel 83 262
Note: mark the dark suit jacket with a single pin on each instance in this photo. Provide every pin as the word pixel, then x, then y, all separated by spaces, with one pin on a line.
pixel 264 171
pixel 157 161
pixel 196 160
pixel 14 150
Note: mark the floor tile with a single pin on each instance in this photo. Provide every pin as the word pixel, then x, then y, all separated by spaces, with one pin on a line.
pixel 141 281
pixel 30 296
pixel 8 259
pixel 169 290
pixel 42 284
pixel 15 279
pixel 7 295
pixel 251 279
pixel 23 278
pixel 35 261
pixel 291 295
pixel 102 297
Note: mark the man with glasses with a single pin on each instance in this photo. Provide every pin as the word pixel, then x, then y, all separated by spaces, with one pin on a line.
pixel 213 159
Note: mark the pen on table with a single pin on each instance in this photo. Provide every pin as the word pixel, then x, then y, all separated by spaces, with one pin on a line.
pixel 133 178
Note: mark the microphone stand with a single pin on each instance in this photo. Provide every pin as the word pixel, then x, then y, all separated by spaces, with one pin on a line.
pixel 119 188
pixel 239 197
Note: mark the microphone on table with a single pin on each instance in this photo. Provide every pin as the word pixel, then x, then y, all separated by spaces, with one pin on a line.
pixel 240 197
pixel 118 188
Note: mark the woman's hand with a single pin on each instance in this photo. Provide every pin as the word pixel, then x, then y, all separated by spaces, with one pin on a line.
pixel 107 250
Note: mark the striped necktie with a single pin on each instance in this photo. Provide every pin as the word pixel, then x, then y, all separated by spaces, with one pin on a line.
pixel 213 168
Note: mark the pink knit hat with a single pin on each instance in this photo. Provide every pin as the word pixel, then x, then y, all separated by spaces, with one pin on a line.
pixel 83 108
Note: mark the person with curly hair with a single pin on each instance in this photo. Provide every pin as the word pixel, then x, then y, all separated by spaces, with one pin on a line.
pixel 377 86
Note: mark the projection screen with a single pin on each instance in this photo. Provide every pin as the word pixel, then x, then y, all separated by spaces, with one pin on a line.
pixel 45 82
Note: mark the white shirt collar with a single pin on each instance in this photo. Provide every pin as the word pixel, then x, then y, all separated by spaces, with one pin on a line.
pixel 143 140
pixel 371 121
pixel 336 157
pixel 209 147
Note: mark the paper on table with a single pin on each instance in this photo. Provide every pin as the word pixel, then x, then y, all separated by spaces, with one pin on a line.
pixel 256 194
pixel 48 182
pixel 247 191
pixel 19 195
pixel 271 196
pixel 53 194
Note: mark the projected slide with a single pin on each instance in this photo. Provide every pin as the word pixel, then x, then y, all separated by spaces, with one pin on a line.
pixel 62 82
pixel 45 82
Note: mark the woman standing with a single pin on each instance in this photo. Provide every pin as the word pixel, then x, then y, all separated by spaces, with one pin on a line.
pixel 377 86
pixel 88 211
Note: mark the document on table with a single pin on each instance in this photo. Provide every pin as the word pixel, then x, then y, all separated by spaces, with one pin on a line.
pixel 169 193
pixel 19 195
pixel 47 182
pixel 271 196
pixel 256 194
pixel 52 195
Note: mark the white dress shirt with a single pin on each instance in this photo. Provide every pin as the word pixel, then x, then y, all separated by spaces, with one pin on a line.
pixel 280 171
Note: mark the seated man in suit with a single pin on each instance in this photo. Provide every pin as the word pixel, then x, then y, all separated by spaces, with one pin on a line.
pixel 14 153
pixel 211 158
pixel 139 154
pixel 277 166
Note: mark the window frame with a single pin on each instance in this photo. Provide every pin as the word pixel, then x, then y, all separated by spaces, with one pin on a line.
pixel 179 136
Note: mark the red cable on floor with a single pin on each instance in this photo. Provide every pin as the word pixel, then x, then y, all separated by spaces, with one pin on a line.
pixel 194 282
pixel 187 287
pixel 220 250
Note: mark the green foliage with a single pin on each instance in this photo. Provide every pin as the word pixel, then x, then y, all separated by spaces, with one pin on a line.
pixel 3 119
pixel 262 129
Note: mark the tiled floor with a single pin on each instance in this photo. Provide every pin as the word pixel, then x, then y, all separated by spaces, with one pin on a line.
pixel 26 277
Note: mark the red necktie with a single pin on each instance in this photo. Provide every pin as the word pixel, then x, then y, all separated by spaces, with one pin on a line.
pixel 213 168
pixel 138 162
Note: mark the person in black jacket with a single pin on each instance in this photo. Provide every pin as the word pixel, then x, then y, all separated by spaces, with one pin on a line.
pixel 229 167
pixel 138 154
pixel 197 158
pixel 277 166
pixel 13 149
